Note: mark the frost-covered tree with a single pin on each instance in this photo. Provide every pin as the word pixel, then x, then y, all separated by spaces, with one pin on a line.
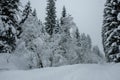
pixel 32 38
pixel 99 56
pixel 31 29
pixel 84 42
pixel 9 24
pixel 97 51
pixel 111 30
pixel 87 55
pixel 25 13
pixel 68 41
pixel 89 41
pixel 61 48
pixel 50 23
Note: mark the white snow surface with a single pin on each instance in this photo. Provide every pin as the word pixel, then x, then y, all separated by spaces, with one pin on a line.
pixel 74 72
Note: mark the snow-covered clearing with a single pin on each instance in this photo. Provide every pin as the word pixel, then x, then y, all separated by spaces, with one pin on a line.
pixel 74 72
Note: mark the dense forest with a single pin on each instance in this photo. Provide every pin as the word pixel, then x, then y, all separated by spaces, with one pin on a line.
pixel 27 42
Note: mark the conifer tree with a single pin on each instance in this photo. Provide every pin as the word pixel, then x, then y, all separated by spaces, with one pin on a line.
pixel 63 15
pixel 8 9
pixel 64 12
pixel 26 12
pixel 8 32
pixel 111 30
pixel 50 23
pixel 77 36
pixel 57 28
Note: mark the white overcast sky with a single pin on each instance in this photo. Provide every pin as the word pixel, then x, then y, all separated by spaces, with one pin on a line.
pixel 88 15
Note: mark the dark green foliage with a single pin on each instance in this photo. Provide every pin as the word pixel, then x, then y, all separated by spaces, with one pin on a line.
pixel 57 28
pixel 26 12
pixel 8 16
pixel 50 23
pixel 64 12
pixel 8 8
pixel 110 30
pixel 63 15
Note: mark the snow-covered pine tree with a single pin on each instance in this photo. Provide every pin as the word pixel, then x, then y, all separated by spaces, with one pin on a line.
pixel 26 12
pixel 58 27
pixel 64 14
pixel 8 16
pixel 50 23
pixel 111 30
pixel 83 41
pixel 77 37
pixel 77 34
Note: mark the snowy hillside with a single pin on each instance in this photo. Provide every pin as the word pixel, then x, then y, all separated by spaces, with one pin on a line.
pixel 74 72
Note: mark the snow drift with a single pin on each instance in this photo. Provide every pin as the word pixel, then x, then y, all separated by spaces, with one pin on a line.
pixel 74 72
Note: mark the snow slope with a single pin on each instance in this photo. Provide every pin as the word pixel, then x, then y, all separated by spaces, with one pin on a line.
pixel 74 72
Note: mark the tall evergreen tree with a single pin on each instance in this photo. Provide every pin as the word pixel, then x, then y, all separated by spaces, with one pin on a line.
pixel 34 12
pixel 111 31
pixel 57 28
pixel 51 17
pixel 64 12
pixel 26 12
pixel 8 16
pixel 8 9
pixel 77 36
pixel 63 15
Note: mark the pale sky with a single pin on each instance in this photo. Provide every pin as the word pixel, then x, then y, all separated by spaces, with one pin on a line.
pixel 88 15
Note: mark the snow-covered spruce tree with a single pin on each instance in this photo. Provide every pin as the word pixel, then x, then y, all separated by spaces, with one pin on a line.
pixel 50 23
pixel 64 14
pixel 111 30
pixel 83 41
pixel 9 24
pixel 57 29
pixel 27 10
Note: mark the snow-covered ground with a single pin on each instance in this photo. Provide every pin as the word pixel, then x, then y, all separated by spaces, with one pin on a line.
pixel 74 72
